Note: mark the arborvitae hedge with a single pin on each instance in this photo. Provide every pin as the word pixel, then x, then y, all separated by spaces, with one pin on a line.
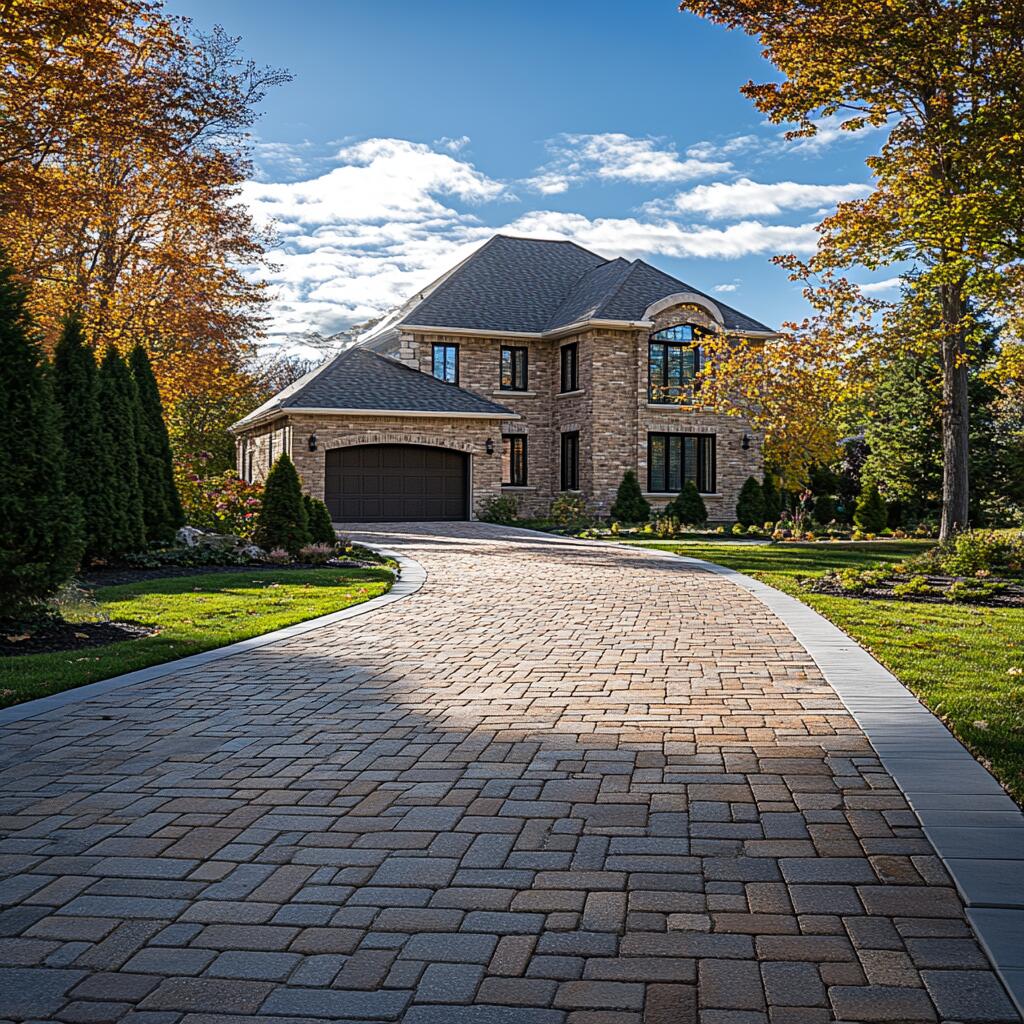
pixel 119 406
pixel 871 514
pixel 689 506
pixel 772 499
pixel 750 510
pixel 40 528
pixel 318 519
pixel 161 507
pixel 282 519
pixel 88 462
pixel 630 505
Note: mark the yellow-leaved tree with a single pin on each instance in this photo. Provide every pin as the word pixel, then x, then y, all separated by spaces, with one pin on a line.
pixel 943 79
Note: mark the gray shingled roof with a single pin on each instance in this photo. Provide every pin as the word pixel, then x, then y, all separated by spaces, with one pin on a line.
pixel 535 285
pixel 360 379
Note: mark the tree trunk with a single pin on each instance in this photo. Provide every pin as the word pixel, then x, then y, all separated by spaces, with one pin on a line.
pixel 955 416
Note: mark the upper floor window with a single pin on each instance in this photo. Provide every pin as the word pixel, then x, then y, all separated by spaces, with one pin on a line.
pixel 446 362
pixel 513 460
pixel 570 376
pixel 673 362
pixel 514 368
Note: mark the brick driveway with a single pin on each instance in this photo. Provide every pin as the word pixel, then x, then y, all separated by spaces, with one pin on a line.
pixel 560 783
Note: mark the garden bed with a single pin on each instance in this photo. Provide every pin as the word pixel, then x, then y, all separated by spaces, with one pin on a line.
pixel 57 636
pixel 922 588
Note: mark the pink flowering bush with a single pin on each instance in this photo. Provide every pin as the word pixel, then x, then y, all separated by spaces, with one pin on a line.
pixel 220 501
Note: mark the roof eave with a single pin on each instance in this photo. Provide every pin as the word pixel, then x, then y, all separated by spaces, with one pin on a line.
pixel 241 425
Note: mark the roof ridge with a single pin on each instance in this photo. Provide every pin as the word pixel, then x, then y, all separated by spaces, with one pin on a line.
pixel 618 288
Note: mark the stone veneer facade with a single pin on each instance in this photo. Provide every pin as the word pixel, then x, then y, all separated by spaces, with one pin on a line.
pixel 610 410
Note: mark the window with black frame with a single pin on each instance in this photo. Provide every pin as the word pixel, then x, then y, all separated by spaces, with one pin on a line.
pixel 672 459
pixel 514 368
pixel 673 363
pixel 570 377
pixel 513 460
pixel 446 362
pixel 570 461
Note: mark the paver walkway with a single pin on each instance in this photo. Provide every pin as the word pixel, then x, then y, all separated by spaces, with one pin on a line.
pixel 560 783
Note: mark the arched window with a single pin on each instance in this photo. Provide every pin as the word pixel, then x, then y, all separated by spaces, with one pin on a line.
pixel 673 362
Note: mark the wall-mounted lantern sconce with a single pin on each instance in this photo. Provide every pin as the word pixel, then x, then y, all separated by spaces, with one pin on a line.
pixel 312 442
pixel 746 442
pixel 489 446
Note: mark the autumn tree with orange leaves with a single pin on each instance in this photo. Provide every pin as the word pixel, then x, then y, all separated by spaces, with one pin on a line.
pixel 945 80
pixel 123 144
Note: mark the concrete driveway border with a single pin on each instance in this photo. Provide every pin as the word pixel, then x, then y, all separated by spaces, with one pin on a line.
pixel 411 576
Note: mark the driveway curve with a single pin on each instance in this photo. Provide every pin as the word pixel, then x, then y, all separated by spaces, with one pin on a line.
pixel 559 784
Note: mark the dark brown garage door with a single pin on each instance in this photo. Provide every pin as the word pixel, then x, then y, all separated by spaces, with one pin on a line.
pixel 395 482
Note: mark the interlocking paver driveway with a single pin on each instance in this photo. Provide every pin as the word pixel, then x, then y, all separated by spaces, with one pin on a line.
pixel 561 783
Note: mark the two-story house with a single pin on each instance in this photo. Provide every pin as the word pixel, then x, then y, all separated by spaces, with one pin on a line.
pixel 531 369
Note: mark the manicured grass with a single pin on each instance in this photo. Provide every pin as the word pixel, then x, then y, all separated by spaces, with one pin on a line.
pixel 956 658
pixel 193 614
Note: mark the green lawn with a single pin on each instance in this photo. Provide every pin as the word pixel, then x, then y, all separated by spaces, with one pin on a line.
pixel 956 658
pixel 193 614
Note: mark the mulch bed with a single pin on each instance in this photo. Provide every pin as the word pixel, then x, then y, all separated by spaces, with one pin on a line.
pixel 115 577
pixel 1011 598
pixel 54 637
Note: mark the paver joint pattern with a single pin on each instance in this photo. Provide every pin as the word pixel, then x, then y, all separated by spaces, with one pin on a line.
pixel 558 785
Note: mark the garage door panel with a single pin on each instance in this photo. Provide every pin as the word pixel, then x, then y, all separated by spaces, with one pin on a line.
pixel 396 482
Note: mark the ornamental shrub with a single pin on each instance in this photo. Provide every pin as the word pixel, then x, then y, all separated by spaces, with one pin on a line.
pixel 221 502
pixel 688 507
pixel 500 511
pixel 630 505
pixel 750 504
pixel 161 506
pixel 570 510
pixel 318 518
pixel 772 499
pixel 871 514
pixel 40 524
pixel 282 519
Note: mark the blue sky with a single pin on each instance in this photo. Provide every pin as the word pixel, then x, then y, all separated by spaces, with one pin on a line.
pixel 414 131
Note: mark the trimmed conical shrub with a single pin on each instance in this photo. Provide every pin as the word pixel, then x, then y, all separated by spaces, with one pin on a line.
pixel 318 519
pixel 40 527
pixel 119 408
pixel 750 510
pixel 161 507
pixel 282 519
pixel 688 507
pixel 630 505
pixel 772 499
pixel 871 514
pixel 88 464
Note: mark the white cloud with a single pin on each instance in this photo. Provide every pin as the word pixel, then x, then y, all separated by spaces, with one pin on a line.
pixel 730 287
pixel 612 156
pixel 633 238
pixel 452 145
pixel 887 285
pixel 716 150
pixel 745 198
pixel 829 131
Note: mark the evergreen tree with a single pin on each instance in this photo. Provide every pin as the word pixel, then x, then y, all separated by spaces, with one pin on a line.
pixel 871 514
pixel 282 520
pixel 318 518
pixel 688 507
pixel 161 507
pixel 88 463
pixel 772 499
pixel 750 510
pixel 119 406
pixel 824 509
pixel 40 525
pixel 630 505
